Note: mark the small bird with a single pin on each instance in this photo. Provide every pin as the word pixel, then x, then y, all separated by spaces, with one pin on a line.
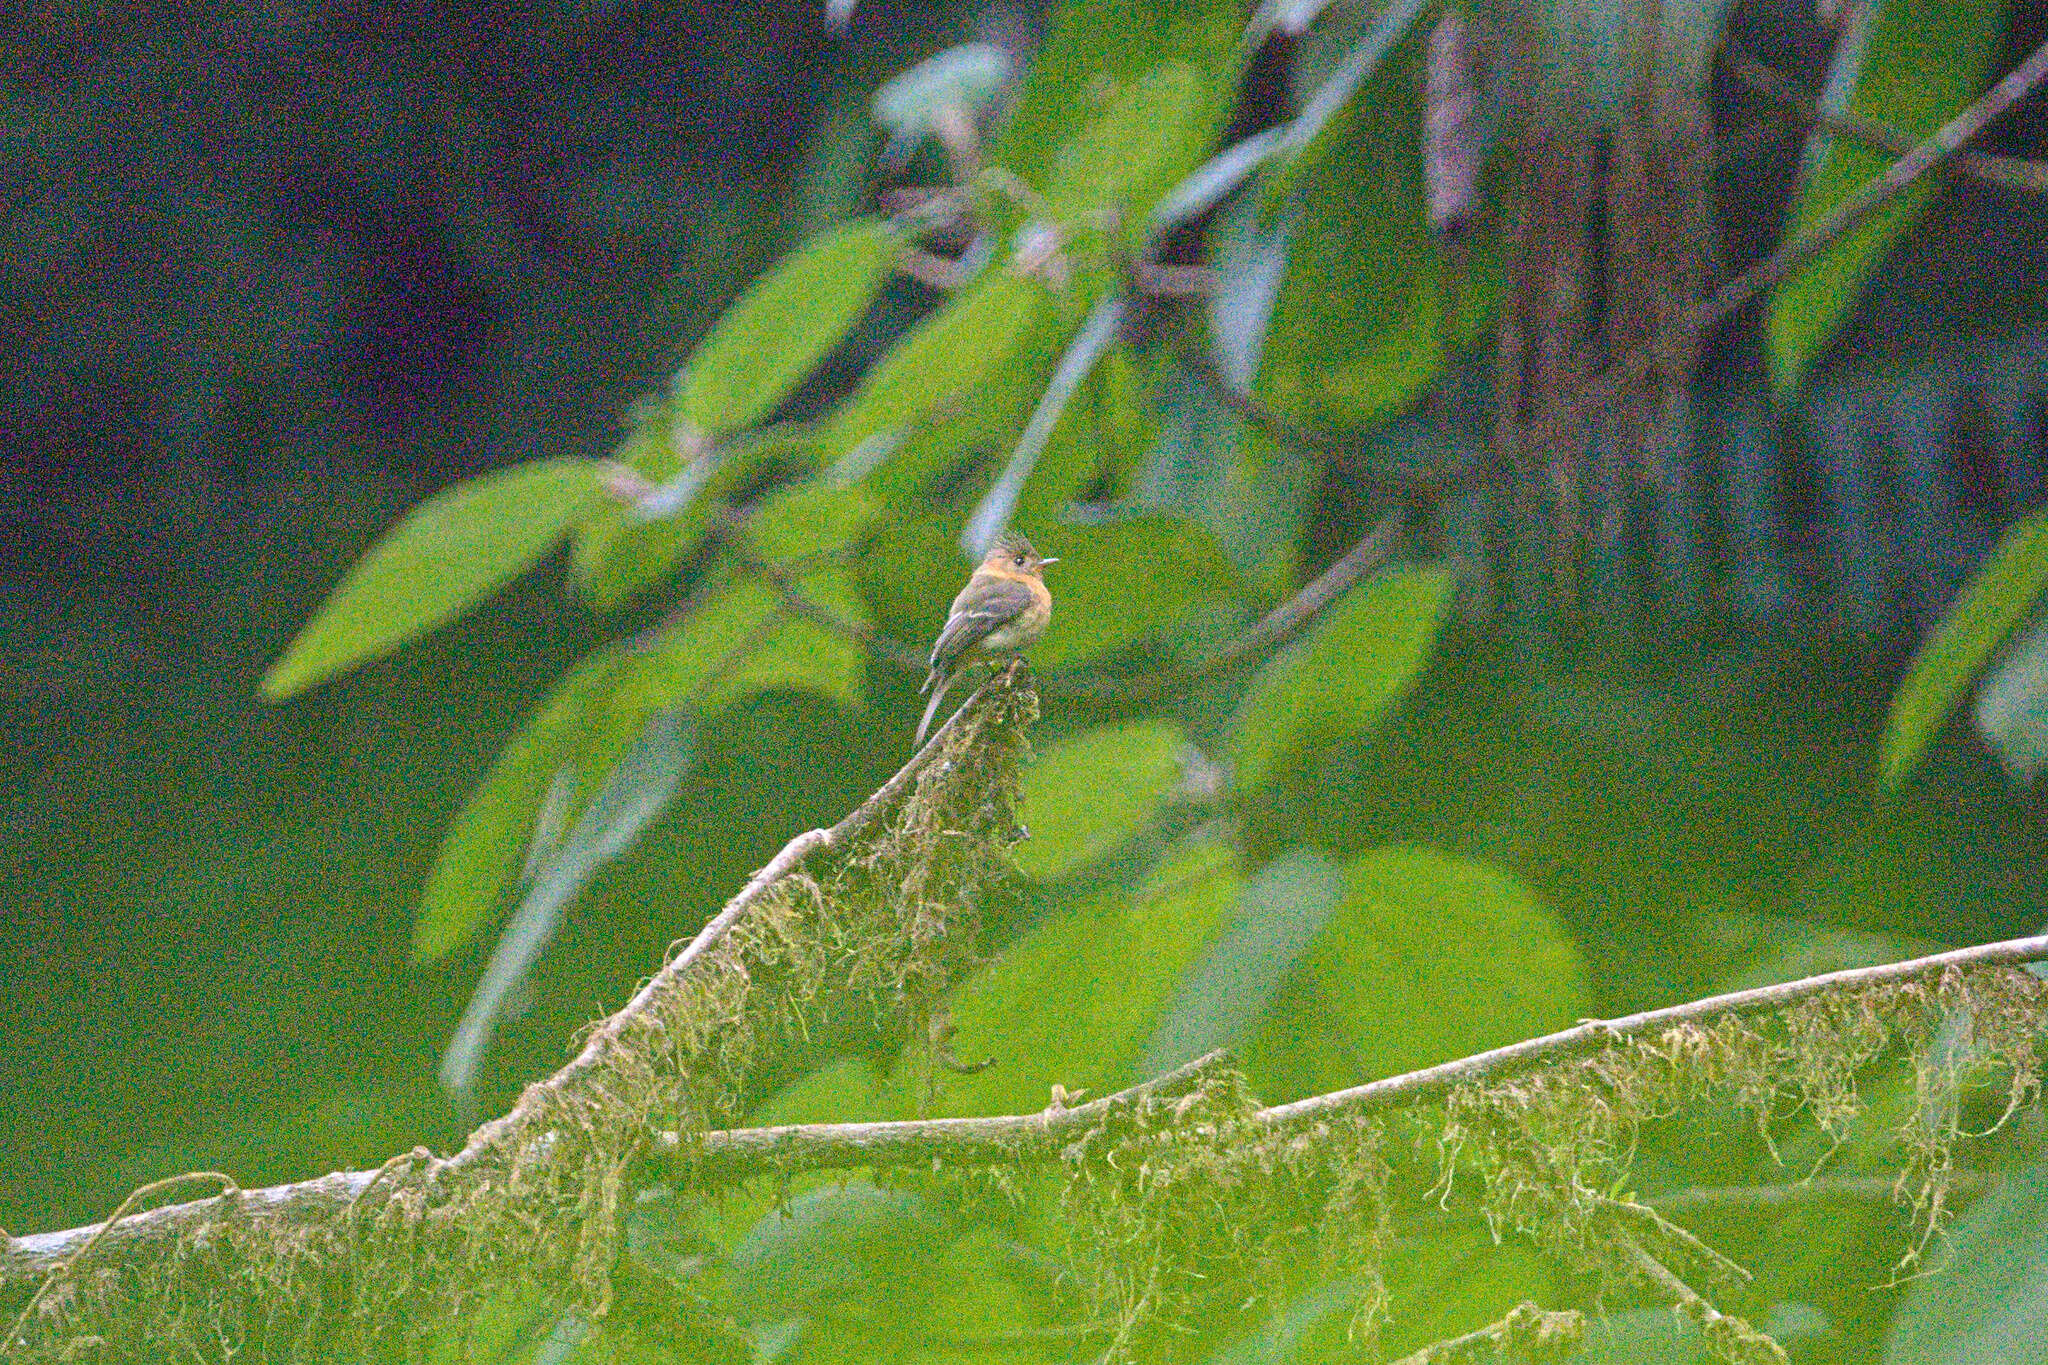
pixel 1003 608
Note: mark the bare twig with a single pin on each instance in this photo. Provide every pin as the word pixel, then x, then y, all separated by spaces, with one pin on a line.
pixel 2011 172
pixel 1621 378
pixel 797 602
pixel 1840 1189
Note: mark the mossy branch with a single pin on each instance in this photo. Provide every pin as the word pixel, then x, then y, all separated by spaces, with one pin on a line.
pixel 1174 1187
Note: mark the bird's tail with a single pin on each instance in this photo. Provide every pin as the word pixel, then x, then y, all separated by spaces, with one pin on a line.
pixel 932 709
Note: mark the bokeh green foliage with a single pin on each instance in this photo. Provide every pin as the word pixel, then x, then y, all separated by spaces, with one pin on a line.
pixel 788 550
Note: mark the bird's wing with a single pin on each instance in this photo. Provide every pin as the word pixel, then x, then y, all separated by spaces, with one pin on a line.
pixel 993 606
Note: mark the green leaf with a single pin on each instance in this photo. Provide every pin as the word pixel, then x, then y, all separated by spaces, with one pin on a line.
pixel 633 792
pixel 624 549
pixel 835 1244
pixel 1340 680
pixel 811 518
pixel 447 554
pixel 1910 64
pixel 1089 793
pixel 1991 605
pixel 1096 50
pixel 941 363
pixel 1358 330
pixel 482 852
pixel 1990 1303
pixel 613 554
pixel 2012 705
pixel 1283 908
pixel 1399 986
pixel 1126 581
pixel 1074 1001
pixel 739 639
pixel 1152 135
pixel 768 340
pixel 1249 491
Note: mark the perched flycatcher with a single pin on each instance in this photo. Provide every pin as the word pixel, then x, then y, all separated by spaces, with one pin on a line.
pixel 1003 608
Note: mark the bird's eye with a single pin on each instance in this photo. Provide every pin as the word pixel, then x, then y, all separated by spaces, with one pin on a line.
pixel 1018 561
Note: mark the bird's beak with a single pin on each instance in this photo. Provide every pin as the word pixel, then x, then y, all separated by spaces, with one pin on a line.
pixel 1043 562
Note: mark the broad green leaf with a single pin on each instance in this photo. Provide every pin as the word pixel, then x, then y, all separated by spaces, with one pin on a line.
pixel 1091 792
pixel 1354 665
pixel 800 654
pixel 483 850
pixel 1096 50
pixel 2012 705
pixel 1398 984
pixel 1120 165
pixel 810 518
pixel 1989 1304
pixel 1126 581
pixel 632 793
pixel 1283 908
pixel 942 362
pixel 1910 64
pixel 614 554
pixel 1359 329
pixel 1074 1001
pixel 740 638
pixel 768 340
pixel 833 1244
pixel 446 555
pixel 1990 607
pixel 1246 489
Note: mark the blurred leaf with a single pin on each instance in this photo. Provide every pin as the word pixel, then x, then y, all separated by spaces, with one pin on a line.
pixel 614 554
pixel 1091 792
pixel 769 339
pixel 1075 1000
pixel 1095 51
pixel 632 793
pixel 1125 581
pixel 1354 665
pixel 1247 490
pixel 1281 911
pixel 1248 253
pixel 1314 1327
pixel 447 554
pixel 1989 1304
pixel 1121 164
pixel 910 572
pixel 992 516
pixel 1429 957
pixel 942 361
pixel 482 852
pixel 2012 705
pixel 1362 61
pixel 1990 606
pixel 1909 64
pixel 1358 327
pixel 1210 183
pixel 967 78
pixel 832 1245
pixel 739 639
pixel 809 519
